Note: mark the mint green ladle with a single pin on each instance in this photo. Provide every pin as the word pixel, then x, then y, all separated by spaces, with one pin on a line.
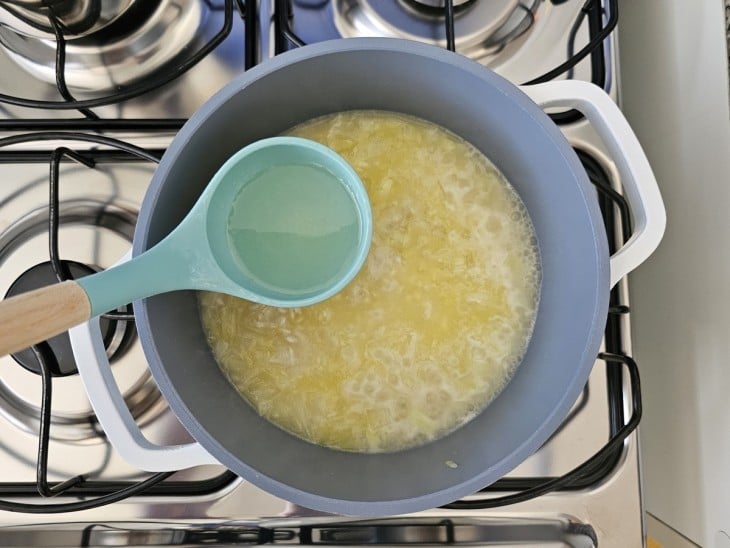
pixel 284 222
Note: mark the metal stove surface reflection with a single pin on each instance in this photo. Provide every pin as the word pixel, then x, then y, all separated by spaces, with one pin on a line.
pixel 98 205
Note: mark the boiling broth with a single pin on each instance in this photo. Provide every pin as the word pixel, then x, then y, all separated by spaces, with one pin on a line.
pixel 434 324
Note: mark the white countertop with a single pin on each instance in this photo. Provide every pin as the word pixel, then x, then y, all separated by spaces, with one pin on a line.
pixel 674 72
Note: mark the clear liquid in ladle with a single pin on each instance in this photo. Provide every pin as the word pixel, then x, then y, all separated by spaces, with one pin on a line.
pixel 294 229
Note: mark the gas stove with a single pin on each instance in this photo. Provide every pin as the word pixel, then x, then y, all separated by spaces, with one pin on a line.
pixel 85 116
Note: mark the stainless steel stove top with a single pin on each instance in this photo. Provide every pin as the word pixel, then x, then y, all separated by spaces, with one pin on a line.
pixel 98 207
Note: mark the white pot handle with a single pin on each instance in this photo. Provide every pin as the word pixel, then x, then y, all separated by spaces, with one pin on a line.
pixel 113 414
pixel 639 185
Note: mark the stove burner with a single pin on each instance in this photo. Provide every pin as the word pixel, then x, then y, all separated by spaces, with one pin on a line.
pixel 118 335
pixel 480 28
pixel 142 40
pixel 87 227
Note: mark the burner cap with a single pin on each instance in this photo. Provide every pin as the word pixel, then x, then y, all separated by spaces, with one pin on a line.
pixel 118 335
pixel 436 6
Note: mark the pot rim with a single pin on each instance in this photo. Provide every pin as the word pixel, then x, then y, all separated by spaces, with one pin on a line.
pixel 522 450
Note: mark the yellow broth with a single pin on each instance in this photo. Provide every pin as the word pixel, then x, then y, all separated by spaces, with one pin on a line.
pixel 432 327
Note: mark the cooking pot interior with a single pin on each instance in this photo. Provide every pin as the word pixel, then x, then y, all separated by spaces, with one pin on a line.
pixel 499 120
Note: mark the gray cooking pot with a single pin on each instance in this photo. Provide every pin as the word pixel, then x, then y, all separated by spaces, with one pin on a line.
pixel 525 145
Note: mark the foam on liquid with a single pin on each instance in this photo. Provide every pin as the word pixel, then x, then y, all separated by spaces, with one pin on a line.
pixel 431 328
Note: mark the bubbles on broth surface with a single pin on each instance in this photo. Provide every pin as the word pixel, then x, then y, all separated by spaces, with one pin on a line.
pixel 431 328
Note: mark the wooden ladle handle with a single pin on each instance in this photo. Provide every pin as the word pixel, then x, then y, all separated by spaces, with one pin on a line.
pixel 38 315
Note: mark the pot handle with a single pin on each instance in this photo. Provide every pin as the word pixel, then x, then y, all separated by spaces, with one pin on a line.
pixel 113 414
pixel 637 178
